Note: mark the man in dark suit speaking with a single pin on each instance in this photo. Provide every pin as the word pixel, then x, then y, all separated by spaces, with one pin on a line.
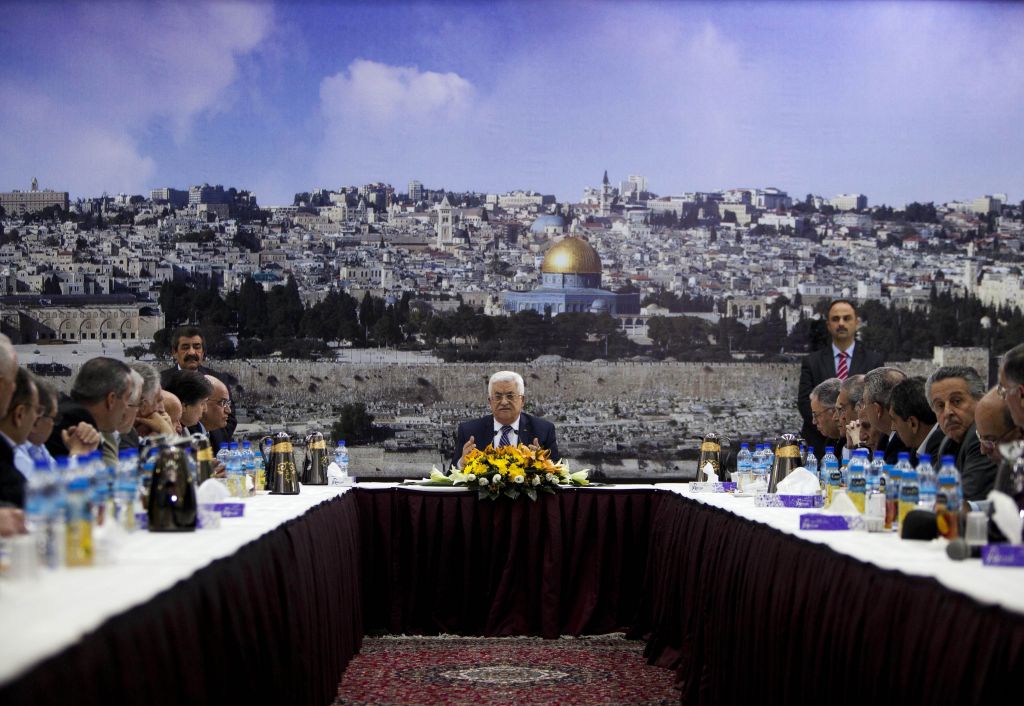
pixel 841 359
pixel 507 424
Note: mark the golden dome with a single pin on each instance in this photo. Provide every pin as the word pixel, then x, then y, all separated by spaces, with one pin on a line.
pixel 572 256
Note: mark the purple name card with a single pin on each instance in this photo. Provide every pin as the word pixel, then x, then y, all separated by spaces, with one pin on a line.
pixel 817 521
pixel 1002 555
pixel 142 520
pixel 799 501
pixel 727 487
pixel 230 509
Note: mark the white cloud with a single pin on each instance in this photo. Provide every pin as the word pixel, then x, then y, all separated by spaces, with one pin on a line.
pixel 374 93
pixel 119 73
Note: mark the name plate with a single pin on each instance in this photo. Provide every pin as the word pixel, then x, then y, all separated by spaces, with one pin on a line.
pixel 818 521
pixel 727 487
pixel 230 509
pixel 1002 555
pixel 777 500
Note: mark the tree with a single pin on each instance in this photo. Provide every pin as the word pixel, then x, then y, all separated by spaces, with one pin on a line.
pixel 354 425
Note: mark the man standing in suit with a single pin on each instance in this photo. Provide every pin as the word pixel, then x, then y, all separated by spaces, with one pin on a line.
pixel 189 351
pixel 841 359
pixel 507 424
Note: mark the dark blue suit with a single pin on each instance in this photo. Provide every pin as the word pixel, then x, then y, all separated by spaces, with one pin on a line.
pixel 530 428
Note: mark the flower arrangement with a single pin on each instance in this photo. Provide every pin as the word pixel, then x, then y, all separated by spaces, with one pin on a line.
pixel 511 471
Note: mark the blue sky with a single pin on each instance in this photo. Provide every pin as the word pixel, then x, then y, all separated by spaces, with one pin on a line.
pixel 903 102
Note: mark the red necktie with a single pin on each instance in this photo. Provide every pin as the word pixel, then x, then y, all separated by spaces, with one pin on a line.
pixel 843 369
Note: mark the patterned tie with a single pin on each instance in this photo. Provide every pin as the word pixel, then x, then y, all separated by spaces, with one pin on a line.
pixel 843 368
pixel 504 440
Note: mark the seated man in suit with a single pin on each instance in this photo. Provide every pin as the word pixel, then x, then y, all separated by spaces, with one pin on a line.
pixel 826 415
pixel 914 420
pixel 994 424
pixel 954 391
pixel 507 423
pixel 878 385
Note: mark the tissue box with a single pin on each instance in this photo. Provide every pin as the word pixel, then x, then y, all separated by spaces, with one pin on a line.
pixel 1002 555
pixel 780 500
pixel 819 521
pixel 234 508
pixel 713 487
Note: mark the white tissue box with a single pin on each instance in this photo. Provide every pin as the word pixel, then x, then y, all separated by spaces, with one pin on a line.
pixel 727 487
pixel 782 500
pixel 821 521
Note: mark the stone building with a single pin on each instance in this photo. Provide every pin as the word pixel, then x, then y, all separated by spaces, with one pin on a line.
pixel 121 317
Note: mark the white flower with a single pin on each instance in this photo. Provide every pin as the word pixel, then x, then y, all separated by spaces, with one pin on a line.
pixel 536 480
pixel 481 481
pixel 519 479
pixel 550 477
pixel 496 478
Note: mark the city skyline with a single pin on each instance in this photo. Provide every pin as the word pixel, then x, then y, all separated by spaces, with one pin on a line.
pixel 918 102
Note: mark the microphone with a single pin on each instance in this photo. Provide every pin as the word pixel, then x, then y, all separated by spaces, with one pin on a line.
pixel 959 549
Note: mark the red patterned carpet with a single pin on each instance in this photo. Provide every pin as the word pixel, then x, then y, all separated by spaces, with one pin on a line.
pixel 605 669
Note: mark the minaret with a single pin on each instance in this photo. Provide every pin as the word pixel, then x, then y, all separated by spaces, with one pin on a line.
pixel 606 195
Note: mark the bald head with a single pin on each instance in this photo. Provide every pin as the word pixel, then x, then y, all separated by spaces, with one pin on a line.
pixel 215 415
pixel 8 373
pixel 172 405
pixel 994 424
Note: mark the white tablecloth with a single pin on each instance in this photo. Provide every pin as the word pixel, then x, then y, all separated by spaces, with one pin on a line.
pixel 1001 586
pixel 39 617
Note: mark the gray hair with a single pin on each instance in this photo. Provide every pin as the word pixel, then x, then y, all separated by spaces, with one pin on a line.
pixel 878 384
pixel 48 396
pixel 854 386
pixel 150 377
pixel 98 377
pixel 828 392
pixel 137 384
pixel 975 385
pixel 507 376
pixel 1013 364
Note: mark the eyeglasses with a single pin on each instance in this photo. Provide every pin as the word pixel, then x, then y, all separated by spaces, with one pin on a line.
pixel 825 412
pixel 988 442
pixel 1004 392
pixel 223 403
pixel 505 396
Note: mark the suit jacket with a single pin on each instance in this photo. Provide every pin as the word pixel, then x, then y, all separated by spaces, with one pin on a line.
pixel 933 443
pixel 817 367
pixel 977 472
pixel 893 448
pixel 530 428
pixel 220 435
pixel 69 413
pixel 12 483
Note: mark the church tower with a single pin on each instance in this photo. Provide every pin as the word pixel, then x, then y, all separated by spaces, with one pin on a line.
pixel 445 228
pixel 606 196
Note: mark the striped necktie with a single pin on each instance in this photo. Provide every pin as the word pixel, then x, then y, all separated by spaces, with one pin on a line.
pixel 504 440
pixel 843 367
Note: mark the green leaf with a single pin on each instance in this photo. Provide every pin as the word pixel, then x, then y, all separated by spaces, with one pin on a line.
pixel 531 494
pixel 512 493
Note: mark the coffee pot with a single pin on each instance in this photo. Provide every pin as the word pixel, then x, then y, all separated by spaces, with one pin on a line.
pixel 710 453
pixel 171 504
pixel 314 466
pixel 787 459
pixel 279 460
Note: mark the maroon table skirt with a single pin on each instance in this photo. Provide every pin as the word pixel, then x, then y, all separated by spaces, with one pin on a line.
pixel 275 623
pixel 571 563
pixel 747 614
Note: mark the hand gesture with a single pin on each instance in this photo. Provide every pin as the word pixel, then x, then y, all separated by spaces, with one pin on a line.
pixel 82 438
pixel 466 448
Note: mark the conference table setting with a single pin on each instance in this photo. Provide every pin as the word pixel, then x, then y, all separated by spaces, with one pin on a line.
pixel 737 599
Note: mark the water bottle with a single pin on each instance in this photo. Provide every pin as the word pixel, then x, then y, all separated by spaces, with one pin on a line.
pixel 909 488
pixel 812 462
pixel 79 549
pixel 948 499
pixel 337 471
pixel 249 466
pixel 769 458
pixel 39 499
pixel 259 473
pixel 236 472
pixel 927 483
pixel 744 467
pixel 857 472
pixel 126 488
pixel 832 475
pixel 874 498
pixel 224 456
pixel 892 496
